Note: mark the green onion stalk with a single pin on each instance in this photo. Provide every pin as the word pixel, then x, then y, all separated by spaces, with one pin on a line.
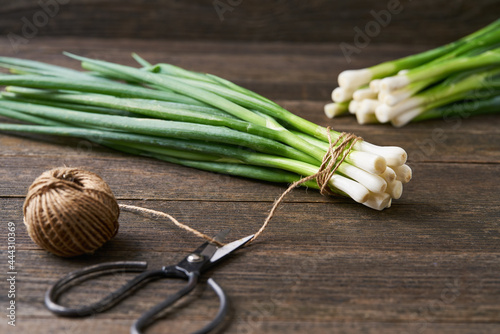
pixel 192 119
pixel 401 90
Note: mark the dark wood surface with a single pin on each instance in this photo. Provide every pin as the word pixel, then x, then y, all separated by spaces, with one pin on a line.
pixel 423 21
pixel 429 264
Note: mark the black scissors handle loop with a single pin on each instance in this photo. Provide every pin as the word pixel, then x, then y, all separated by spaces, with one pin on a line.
pixel 110 300
pixel 124 291
pixel 223 308
pixel 149 317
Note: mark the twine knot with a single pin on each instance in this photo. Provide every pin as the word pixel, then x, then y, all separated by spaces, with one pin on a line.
pixel 333 158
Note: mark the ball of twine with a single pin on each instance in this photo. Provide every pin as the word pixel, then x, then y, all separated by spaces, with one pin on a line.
pixel 70 211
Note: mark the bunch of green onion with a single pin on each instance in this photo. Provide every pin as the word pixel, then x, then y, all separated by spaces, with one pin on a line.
pixel 459 79
pixel 192 119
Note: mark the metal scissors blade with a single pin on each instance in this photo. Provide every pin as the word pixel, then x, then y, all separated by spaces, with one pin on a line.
pixel 209 249
pixel 229 248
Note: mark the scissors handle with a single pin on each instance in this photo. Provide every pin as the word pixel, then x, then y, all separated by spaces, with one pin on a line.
pixel 148 317
pixel 121 293
pixel 87 273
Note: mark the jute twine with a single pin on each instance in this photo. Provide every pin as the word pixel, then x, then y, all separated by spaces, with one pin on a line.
pixel 70 211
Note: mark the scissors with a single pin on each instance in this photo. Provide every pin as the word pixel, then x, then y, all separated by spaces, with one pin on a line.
pixel 190 269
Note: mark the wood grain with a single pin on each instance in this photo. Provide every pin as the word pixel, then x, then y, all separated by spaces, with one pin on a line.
pixel 429 264
pixel 409 22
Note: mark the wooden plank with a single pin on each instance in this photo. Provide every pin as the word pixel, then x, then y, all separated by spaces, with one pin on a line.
pixel 403 22
pixel 352 291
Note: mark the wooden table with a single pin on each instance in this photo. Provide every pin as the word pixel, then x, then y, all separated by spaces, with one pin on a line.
pixel 429 264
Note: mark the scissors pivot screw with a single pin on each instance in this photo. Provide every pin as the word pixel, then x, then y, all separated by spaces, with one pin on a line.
pixel 194 258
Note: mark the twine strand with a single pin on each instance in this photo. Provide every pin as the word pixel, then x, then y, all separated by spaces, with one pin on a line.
pixel 136 209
